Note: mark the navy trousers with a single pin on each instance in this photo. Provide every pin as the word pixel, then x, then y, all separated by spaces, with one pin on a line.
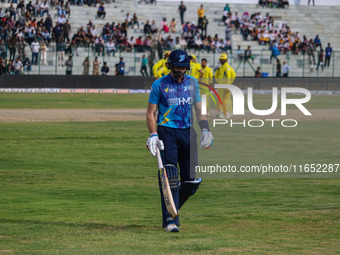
pixel 180 149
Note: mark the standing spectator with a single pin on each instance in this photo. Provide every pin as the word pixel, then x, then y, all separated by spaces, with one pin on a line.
pixel 67 30
pixel 57 32
pixel 227 8
pixel 278 68
pixel 21 48
pixel 121 67
pixel 86 65
pixel 44 9
pixel 69 65
pixel 328 51
pixel 68 49
pixel 96 66
pixel 135 20
pixel 200 14
pixel 143 69
pixel 27 66
pixel 12 12
pixel 48 24
pixel 258 73
pixel 81 2
pixel 128 17
pixel 61 52
pixel 181 10
pixel 35 46
pixel 105 69
pixel 275 53
pixel 43 53
pixel 204 26
pixel 101 11
pixel 2 66
pixel 309 2
pixel 13 47
pixel 124 28
pixel 3 53
pixel 310 52
pixel 286 69
pixel 320 60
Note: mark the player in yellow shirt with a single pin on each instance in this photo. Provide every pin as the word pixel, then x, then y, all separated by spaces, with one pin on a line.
pixel 162 72
pixel 225 74
pixel 195 68
pixel 206 78
pixel 200 14
pixel 160 64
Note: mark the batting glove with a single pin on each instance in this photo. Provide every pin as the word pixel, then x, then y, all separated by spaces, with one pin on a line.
pixel 206 139
pixel 153 142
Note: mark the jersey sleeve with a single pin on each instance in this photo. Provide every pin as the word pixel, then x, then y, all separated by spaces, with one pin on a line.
pixel 154 93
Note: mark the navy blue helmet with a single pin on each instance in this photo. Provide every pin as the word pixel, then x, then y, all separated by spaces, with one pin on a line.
pixel 179 58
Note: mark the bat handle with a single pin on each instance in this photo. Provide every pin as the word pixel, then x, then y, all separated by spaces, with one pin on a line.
pixel 159 158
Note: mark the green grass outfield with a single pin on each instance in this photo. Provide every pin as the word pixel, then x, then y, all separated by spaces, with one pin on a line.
pixel 117 101
pixel 91 188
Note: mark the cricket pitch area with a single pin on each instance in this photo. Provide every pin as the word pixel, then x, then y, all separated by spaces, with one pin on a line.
pixel 76 178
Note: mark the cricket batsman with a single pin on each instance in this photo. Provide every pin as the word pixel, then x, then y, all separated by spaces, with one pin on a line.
pixel 175 95
pixel 225 74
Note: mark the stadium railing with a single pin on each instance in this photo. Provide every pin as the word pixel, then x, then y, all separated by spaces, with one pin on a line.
pixel 300 65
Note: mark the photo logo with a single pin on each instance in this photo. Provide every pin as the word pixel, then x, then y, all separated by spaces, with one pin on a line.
pixel 239 110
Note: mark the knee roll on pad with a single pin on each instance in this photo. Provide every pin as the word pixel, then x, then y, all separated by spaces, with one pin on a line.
pixel 173 174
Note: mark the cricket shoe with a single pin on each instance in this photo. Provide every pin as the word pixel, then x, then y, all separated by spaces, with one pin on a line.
pixel 171 228
pixel 220 115
pixel 229 115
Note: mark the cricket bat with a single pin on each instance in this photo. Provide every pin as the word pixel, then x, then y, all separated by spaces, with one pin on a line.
pixel 167 195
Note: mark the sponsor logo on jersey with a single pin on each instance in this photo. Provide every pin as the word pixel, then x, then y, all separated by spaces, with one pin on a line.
pixel 180 101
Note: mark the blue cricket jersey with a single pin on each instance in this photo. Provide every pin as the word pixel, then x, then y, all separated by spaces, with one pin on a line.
pixel 175 100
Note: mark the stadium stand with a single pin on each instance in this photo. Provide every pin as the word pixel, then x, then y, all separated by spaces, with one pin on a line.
pixel 302 20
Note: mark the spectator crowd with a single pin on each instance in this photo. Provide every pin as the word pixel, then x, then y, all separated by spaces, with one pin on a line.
pixel 31 26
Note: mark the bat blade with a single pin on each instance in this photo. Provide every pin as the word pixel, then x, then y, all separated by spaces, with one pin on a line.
pixel 167 195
